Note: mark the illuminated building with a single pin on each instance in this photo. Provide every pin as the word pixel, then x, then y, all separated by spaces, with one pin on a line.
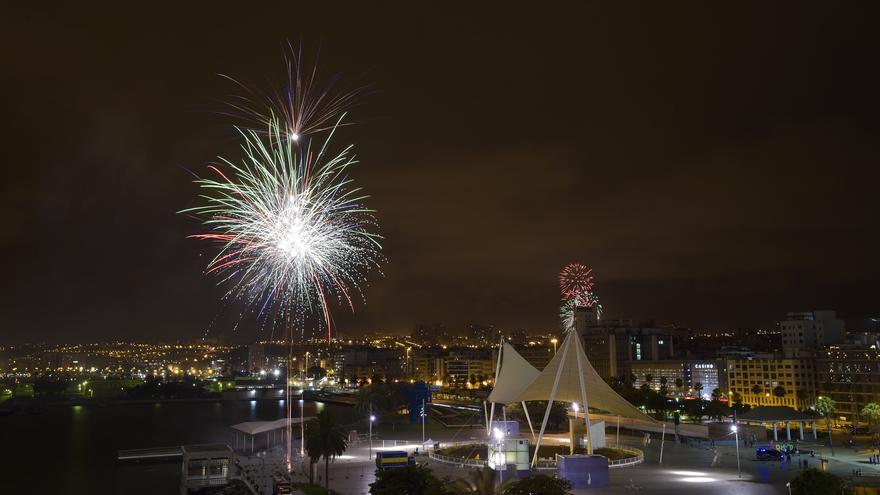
pixel 851 377
pixel 756 381
pixel 710 374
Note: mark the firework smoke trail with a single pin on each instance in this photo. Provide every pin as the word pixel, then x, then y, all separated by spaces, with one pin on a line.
pixel 292 230
pixel 307 104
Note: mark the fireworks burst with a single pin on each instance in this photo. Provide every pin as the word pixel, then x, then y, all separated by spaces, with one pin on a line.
pixel 307 103
pixel 576 284
pixel 575 280
pixel 291 225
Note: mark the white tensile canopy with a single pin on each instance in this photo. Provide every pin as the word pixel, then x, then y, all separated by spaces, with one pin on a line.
pixel 515 375
pixel 569 377
pixel 569 368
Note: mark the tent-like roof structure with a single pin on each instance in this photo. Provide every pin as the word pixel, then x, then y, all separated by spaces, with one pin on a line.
pixel 515 375
pixel 569 362
pixel 256 427
pixel 773 414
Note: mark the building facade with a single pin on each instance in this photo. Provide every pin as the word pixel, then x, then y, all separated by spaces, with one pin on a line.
pixel 756 380
pixel 850 376
pixel 696 376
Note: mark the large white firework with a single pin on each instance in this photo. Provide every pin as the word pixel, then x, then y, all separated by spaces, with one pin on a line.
pixel 292 226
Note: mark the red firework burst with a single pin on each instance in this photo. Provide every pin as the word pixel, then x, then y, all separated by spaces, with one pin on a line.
pixel 576 280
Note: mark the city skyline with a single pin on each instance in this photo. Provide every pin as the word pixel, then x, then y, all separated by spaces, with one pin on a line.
pixel 717 184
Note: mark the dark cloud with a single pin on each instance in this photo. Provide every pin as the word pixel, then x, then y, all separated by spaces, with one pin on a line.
pixel 716 167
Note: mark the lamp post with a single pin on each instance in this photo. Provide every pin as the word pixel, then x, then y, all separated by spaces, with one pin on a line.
pixel 499 437
pixel 423 423
pixel 554 341
pixel 735 430
pixel 788 485
pixel 302 428
pixel 372 418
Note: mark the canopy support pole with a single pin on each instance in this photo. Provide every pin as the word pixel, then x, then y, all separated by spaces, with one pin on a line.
pixel 549 405
pixel 528 419
pixel 491 417
pixel 497 369
pixel 486 415
pixel 583 394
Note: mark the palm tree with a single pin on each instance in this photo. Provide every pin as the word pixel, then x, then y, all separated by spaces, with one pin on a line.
pixel 679 383
pixel 364 400
pixel 872 412
pixel 756 389
pixel 479 482
pixel 779 391
pixel 649 379
pixel 716 394
pixel 698 388
pixel 825 406
pixel 663 381
pixel 326 439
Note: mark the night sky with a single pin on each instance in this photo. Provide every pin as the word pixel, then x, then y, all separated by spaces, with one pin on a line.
pixel 716 168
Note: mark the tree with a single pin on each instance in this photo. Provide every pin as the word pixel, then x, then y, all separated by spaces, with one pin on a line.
pixel 411 480
pixel 716 394
pixel 825 406
pixel 871 411
pixel 649 379
pixel 538 484
pixel 756 389
pixel 698 388
pixel 679 384
pixel 663 381
pixel 694 408
pixel 779 391
pixel 325 439
pixel 717 409
pixel 815 482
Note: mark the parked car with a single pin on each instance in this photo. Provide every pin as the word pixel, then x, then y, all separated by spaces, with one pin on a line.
pixel 768 454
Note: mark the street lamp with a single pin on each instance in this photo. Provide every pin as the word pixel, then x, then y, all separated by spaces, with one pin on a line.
pixel 735 430
pixel 554 341
pixel 372 418
pixel 302 428
pixel 423 423
pixel 788 485
pixel 500 453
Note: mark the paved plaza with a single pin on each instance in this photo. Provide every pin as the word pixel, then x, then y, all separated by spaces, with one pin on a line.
pixel 686 469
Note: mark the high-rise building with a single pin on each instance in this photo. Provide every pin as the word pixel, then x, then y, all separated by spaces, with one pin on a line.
pixel 613 345
pixel 849 375
pixel 805 333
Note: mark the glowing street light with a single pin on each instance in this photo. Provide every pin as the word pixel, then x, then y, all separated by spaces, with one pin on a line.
pixel 372 418
pixel 735 431
pixel 575 407
pixel 554 341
